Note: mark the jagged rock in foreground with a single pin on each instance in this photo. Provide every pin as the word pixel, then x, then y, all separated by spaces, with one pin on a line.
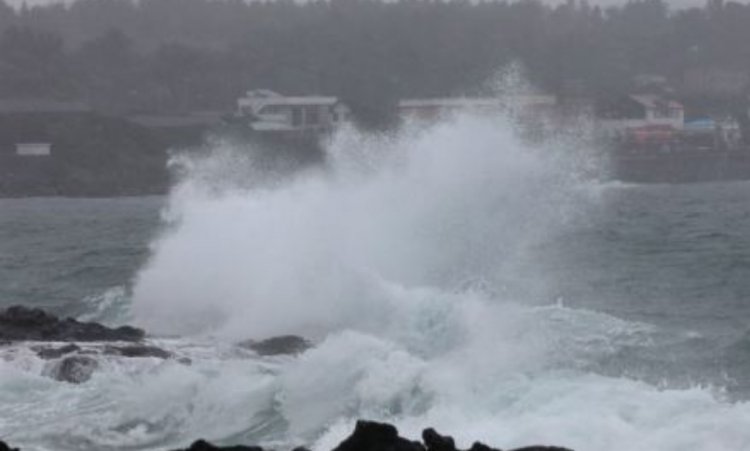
pixel 137 350
pixel 369 436
pixel 436 442
pixel 372 436
pixel 74 369
pixel 202 445
pixel 131 350
pixel 5 447
pixel 281 345
pixel 74 362
pixel 20 323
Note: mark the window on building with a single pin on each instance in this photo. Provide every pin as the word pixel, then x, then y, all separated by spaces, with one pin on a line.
pixel 296 116
pixel 313 116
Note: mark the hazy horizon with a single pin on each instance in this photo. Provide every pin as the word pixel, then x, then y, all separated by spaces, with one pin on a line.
pixel 672 3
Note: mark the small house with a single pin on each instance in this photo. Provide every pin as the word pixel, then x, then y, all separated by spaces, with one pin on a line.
pixel 268 111
pixel 636 111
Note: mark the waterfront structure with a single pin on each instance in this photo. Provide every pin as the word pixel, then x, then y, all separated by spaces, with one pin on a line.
pixel 640 110
pixel 268 111
pixel 33 149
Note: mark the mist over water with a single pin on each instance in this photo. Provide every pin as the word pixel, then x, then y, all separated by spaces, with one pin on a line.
pixel 414 262
pixel 441 207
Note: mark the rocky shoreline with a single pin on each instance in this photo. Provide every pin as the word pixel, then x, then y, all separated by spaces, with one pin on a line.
pixel 19 323
pixel 67 345
pixel 369 436
pixel 72 348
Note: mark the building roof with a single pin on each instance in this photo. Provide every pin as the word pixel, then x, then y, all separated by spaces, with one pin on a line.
pixel 259 93
pixel 16 106
pixel 306 100
pixel 261 98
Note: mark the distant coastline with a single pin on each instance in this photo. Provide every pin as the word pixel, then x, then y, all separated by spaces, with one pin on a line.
pixel 79 153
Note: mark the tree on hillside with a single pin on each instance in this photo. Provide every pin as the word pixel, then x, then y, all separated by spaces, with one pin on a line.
pixel 108 69
pixel 7 15
pixel 33 64
pixel 176 55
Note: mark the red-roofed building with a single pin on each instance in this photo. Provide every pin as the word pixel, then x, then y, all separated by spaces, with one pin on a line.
pixel 639 111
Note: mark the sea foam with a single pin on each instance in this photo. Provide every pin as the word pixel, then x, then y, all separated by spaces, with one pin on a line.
pixel 408 259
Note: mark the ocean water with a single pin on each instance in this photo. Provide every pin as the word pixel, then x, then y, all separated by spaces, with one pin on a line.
pixel 450 276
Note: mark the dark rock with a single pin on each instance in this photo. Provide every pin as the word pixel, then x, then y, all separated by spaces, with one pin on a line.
pixel 541 448
pixel 22 323
pixel 478 446
pixel 300 448
pixel 56 353
pixel 4 447
pixel 202 445
pixel 137 351
pixel 371 436
pixel 74 369
pixel 285 344
pixel 436 442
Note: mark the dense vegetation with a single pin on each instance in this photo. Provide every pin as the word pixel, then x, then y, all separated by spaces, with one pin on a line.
pixel 175 55
pixel 92 156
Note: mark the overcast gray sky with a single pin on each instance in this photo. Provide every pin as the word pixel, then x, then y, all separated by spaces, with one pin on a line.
pixel 674 3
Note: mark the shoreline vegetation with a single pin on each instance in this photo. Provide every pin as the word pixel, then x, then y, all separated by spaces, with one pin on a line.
pixel 182 56
pixel 91 155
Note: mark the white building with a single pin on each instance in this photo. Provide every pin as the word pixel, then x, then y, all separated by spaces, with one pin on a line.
pixel 642 110
pixel 33 149
pixel 269 111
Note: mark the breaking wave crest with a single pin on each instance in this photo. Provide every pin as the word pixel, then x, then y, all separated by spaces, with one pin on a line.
pixel 411 260
pixel 444 206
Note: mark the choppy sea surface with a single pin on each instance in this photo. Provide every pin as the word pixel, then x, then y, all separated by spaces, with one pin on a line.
pixel 452 277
